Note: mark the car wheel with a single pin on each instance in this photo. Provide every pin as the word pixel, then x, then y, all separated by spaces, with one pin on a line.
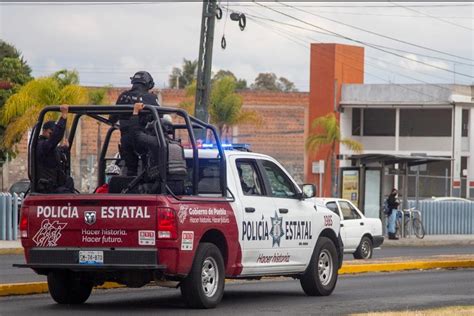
pixel 66 287
pixel 204 285
pixel 320 277
pixel 365 249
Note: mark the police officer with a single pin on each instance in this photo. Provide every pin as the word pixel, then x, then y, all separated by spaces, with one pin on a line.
pixel 142 83
pixel 50 166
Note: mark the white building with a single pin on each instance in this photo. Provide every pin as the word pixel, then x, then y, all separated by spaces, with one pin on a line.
pixel 408 119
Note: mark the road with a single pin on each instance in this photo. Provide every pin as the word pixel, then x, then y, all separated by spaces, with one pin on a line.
pixel 8 274
pixel 354 293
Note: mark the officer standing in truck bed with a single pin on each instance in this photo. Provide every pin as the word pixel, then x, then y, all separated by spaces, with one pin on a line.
pixel 131 152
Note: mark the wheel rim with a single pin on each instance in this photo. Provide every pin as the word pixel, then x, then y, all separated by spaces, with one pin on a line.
pixel 209 277
pixel 365 249
pixel 325 267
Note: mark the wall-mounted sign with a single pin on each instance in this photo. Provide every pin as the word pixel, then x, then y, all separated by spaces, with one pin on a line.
pixel 317 167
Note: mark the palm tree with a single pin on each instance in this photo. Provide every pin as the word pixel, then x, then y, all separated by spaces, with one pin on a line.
pixel 327 134
pixel 225 106
pixel 21 110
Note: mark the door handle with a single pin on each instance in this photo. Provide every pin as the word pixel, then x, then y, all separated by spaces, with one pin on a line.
pixel 249 210
pixel 361 223
pixel 283 210
pixel 342 225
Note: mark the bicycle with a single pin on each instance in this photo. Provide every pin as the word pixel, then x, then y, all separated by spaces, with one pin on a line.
pixel 411 223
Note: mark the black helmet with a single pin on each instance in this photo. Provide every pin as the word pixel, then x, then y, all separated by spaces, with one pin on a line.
pixel 144 78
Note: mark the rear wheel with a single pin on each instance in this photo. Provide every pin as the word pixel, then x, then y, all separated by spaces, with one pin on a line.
pixel 67 287
pixel 418 228
pixel 365 249
pixel 204 286
pixel 320 277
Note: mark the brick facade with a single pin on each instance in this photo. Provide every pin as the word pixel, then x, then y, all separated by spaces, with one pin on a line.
pixel 281 135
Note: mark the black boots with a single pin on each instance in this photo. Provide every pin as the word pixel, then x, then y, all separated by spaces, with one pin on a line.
pixel 392 236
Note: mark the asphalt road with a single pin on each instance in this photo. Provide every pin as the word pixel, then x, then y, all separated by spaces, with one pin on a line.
pixel 8 274
pixel 354 293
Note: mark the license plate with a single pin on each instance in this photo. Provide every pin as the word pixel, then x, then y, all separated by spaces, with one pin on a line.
pixel 91 257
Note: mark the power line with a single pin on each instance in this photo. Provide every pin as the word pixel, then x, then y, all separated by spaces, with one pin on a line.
pixel 367 56
pixel 293 36
pixel 393 15
pixel 326 56
pixel 378 45
pixel 373 33
pixel 364 43
pixel 431 16
pixel 368 6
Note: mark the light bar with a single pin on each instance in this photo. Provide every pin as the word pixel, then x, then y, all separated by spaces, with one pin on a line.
pixel 227 146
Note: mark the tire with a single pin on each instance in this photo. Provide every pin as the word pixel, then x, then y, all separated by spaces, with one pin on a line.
pixel 66 287
pixel 204 285
pixel 320 277
pixel 365 249
pixel 418 228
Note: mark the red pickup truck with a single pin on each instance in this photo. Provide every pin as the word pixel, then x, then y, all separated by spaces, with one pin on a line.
pixel 235 214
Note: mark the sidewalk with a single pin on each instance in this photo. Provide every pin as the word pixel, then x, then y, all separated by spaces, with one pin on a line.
pixel 431 240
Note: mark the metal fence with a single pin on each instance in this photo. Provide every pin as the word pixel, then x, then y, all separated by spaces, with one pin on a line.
pixel 9 207
pixel 446 217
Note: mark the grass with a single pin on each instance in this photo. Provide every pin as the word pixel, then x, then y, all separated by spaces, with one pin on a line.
pixel 443 311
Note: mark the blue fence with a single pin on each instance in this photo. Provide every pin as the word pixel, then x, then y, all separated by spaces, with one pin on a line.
pixel 446 217
pixel 9 205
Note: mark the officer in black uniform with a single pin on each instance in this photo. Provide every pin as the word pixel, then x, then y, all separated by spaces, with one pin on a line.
pixel 50 158
pixel 131 151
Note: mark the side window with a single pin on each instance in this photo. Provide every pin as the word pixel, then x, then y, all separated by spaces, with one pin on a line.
pixel 281 185
pixel 249 180
pixel 348 211
pixel 333 207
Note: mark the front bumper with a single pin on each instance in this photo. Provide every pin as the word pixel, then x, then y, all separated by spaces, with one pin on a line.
pixel 377 241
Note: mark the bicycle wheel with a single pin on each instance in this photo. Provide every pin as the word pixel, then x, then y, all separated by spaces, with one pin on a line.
pixel 418 228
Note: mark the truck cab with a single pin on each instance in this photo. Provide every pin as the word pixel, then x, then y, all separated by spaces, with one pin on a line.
pixel 233 214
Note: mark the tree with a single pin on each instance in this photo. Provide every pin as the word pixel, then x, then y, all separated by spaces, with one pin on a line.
pixel 14 72
pixel 21 110
pixel 184 76
pixel 270 82
pixel 326 134
pixel 225 106
pixel 265 81
pixel 286 85
pixel 240 84
pixel 10 51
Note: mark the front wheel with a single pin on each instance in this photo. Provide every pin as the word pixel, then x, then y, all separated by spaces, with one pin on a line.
pixel 68 287
pixel 320 277
pixel 204 285
pixel 418 228
pixel 365 249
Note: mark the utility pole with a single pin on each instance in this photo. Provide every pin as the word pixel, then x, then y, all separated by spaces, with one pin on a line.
pixel 203 84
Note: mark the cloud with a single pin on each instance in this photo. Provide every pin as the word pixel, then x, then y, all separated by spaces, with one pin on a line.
pixel 107 44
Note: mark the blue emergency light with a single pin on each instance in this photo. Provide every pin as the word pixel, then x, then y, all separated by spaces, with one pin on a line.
pixel 243 147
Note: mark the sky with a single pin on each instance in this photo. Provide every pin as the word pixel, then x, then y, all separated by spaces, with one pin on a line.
pixel 107 43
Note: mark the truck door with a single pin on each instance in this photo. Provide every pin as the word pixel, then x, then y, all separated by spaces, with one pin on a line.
pixel 258 209
pixel 296 241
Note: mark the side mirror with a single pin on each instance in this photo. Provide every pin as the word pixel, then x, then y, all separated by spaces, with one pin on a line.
pixel 309 191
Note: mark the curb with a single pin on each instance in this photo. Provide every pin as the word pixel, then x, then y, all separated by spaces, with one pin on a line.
pixel 405 266
pixel 42 287
pixel 11 251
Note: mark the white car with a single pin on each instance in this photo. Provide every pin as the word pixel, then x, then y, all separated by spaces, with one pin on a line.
pixel 360 235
